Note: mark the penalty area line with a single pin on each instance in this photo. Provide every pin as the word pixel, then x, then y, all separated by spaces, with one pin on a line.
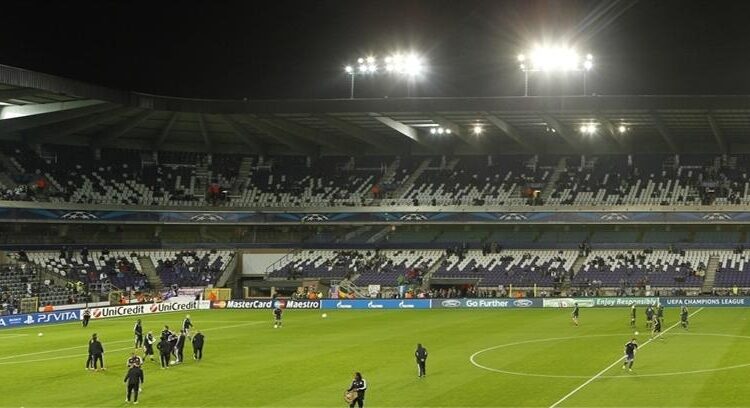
pixel 609 367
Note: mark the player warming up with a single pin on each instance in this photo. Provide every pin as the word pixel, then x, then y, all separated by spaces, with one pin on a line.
pixel 86 317
pixel 656 332
pixel 574 315
pixel 684 317
pixel 632 315
pixel 277 312
pixel 630 348
pixel 421 355
pixel 187 325
pixel 134 379
pixel 148 346
pixel 138 333
pixel 649 316
pixel 355 395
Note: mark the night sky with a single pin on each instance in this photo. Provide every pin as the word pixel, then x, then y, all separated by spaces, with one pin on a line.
pixel 297 49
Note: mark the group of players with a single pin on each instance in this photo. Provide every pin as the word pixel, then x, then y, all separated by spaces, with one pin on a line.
pixel 654 321
pixel 170 344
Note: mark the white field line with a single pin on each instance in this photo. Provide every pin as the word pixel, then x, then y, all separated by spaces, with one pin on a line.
pixel 109 342
pixel 600 373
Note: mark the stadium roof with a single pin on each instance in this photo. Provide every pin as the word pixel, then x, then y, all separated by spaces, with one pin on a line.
pixel 40 108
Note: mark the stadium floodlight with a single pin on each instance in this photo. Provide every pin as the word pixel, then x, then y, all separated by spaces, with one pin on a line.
pixel 588 128
pixel 365 65
pixel 410 65
pixel 477 129
pixel 622 129
pixel 553 59
pixel 440 130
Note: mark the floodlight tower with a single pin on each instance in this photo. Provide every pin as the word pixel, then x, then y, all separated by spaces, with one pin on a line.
pixel 365 66
pixel 554 59
pixel 408 65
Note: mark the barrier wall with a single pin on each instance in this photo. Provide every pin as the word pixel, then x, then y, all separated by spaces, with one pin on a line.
pixel 39 318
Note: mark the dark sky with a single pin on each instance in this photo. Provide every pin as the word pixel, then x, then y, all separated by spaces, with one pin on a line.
pixel 296 49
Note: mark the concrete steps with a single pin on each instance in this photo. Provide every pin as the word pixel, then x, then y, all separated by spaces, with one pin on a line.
pixel 148 268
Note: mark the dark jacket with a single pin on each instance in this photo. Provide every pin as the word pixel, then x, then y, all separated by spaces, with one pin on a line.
pixel 198 340
pixel 95 347
pixel 165 347
pixel 134 376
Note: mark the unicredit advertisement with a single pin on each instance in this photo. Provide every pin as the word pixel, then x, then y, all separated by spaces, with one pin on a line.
pixel 147 308
pixel 377 304
pixel 266 304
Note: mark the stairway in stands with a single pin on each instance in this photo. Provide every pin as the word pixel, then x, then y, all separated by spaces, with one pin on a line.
pixel 409 182
pixel 713 265
pixel 147 267
pixel 562 165
pixel 432 269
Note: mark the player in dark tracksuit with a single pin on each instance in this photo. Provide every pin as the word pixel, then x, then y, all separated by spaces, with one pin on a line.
pixel 657 328
pixel 148 346
pixel 684 317
pixel 138 332
pixel 630 348
pixel 134 360
pixel 187 325
pixel 165 333
pixel 632 315
pixel 96 350
pixel 180 346
pixel 574 315
pixel 134 378
pixel 164 349
pixel 90 359
pixel 360 385
pixel 86 317
pixel 421 356
pixel 649 316
pixel 198 345
pixel 277 312
pixel 172 339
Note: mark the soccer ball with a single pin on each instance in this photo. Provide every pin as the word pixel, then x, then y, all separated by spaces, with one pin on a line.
pixel 40 334
pixel 324 315
pixel 636 333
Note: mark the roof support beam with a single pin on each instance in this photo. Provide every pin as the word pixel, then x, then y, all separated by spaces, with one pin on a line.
pixel 359 133
pixel 164 134
pixel 204 132
pixel 282 137
pixel 718 134
pixel 119 129
pixel 17 93
pixel 313 135
pixel 405 130
pixel 613 132
pixel 42 119
pixel 665 133
pixel 73 126
pixel 562 130
pixel 510 131
pixel 243 134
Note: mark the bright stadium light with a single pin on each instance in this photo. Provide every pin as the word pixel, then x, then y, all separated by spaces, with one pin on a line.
pixel 622 129
pixel 588 128
pixel 365 65
pixel 554 59
pixel 410 65
pixel 477 129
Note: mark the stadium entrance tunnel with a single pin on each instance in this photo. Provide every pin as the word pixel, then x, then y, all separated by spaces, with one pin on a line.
pixel 583 356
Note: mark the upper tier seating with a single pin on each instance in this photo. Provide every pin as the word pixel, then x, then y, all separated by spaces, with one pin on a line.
pixel 129 177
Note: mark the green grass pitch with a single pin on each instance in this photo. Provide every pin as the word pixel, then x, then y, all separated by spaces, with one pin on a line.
pixel 532 358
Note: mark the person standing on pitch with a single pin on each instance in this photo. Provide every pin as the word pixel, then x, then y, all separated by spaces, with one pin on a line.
pixel 277 312
pixel 148 346
pixel 180 346
pixel 421 355
pixel 186 325
pixel 630 348
pixel 684 317
pixel 198 345
pixel 90 359
pixel 134 379
pixel 164 349
pixel 96 350
pixel 575 313
pixel 138 332
pixel 360 385
pixel 632 315
pixel 86 317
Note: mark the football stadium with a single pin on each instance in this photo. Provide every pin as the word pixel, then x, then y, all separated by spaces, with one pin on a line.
pixel 406 221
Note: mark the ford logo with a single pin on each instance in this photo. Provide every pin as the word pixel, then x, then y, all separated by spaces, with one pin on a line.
pixel 523 303
pixel 451 303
